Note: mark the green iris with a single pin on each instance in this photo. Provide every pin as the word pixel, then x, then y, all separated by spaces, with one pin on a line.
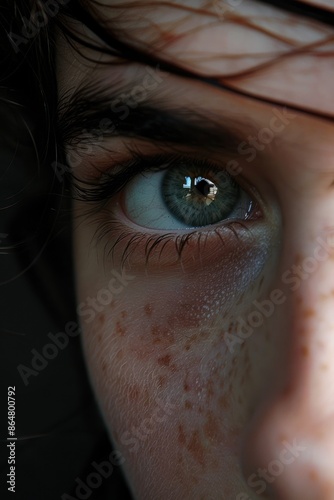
pixel 199 197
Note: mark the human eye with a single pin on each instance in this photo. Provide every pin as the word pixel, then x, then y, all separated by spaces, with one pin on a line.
pixel 185 194
pixel 160 209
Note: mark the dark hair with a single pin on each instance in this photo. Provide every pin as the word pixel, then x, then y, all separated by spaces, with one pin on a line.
pixel 40 228
pixel 29 98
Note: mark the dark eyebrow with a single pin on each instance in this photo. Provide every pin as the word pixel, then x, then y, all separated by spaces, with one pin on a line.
pixel 90 114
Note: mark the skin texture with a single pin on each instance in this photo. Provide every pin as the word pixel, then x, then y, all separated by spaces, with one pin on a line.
pixel 214 371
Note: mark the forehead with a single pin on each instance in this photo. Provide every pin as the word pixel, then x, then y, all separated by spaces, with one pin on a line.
pixel 251 45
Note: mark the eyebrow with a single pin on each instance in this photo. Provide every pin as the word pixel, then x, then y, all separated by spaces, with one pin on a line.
pixel 91 114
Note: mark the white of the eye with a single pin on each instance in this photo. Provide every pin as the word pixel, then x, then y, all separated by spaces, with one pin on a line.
pixel 145 206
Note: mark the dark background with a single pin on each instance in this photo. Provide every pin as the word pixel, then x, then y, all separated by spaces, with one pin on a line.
pixel 58 426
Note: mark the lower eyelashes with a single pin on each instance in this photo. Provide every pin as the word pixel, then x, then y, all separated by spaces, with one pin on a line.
pixel 126 243
pixel 174 213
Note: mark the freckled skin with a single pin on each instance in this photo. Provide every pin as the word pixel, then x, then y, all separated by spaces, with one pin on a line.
pixel 194 415
pixel 178 360
pixel 184 408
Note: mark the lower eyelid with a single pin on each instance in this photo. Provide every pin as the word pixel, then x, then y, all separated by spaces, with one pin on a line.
pixel 160 250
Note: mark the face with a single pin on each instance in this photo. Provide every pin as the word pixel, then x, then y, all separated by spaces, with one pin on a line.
pixel 204 247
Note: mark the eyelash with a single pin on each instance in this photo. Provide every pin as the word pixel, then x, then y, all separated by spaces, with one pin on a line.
pixel 101 191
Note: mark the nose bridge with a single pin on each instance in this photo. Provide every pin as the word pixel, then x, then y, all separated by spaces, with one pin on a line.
pixel 310 279
pixel 299 414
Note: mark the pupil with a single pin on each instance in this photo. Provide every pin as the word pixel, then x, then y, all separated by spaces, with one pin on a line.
pixel 204 191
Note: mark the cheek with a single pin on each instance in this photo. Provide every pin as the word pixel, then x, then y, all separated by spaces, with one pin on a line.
pixel 173 393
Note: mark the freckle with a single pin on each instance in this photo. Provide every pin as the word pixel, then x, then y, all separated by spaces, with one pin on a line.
pixel 148 309
pixel 181 436
pixel 165 360
pixel 308 313
pixel 101 319
pixel 195 447
pixel 299 259
pixel 313 475
pixel 124 314
pixel 286 393
pixel 211 428
pixel 188 405
pixel 324 367
pixel 186 387
pixel 304 351
pixel 120 330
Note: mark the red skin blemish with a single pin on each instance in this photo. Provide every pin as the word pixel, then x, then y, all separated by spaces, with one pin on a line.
pixel 195 447
pixel 211 428
pixel 188 405
pixel 120 330
pixel 148 309
pixel 304 351
pixel 309 313
pixel 101 319
pixel 165 360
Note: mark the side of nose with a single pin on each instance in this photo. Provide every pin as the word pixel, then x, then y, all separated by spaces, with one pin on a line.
pixel 289 446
